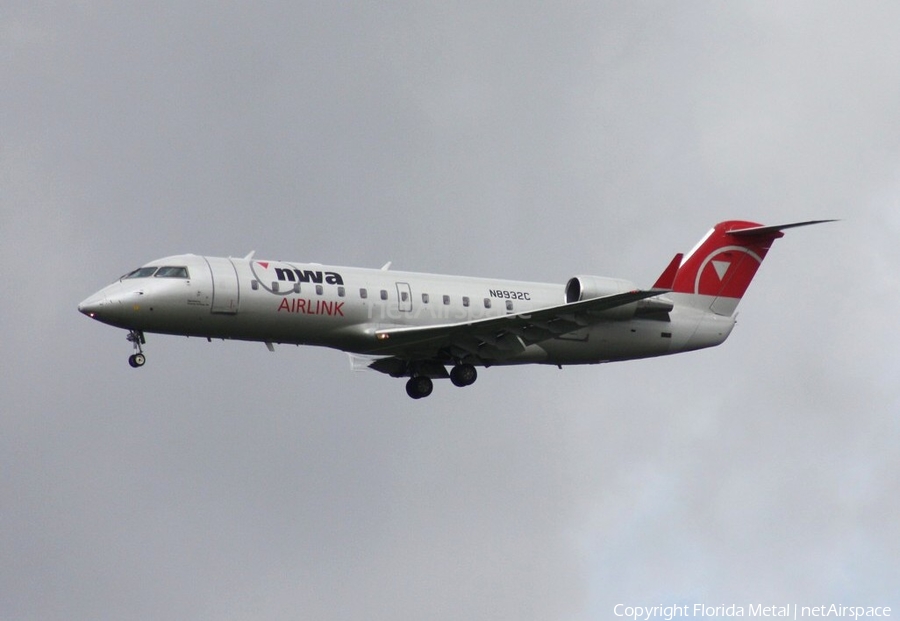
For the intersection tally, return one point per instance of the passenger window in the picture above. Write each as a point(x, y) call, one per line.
point(509, 305)
point(341, 292)
point(404, 296)
point(274, 286)
point(363, 293)
point(384, 294)
point(254, 284)
point(319, 289)
point(425, 298)
point(296, 287)
point(465, 300)
point(446, 299)
point(487, 302)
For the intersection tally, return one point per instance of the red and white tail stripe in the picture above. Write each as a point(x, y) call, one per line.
point(724, 262)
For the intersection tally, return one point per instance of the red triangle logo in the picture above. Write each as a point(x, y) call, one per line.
point(265, 264)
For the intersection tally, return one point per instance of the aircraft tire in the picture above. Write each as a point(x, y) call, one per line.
point(463, 375)
point(419, 386)
point(137, 360)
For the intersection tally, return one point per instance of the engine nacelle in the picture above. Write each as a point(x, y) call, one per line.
point(587, 287)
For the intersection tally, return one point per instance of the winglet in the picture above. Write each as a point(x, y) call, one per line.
point(667, 278)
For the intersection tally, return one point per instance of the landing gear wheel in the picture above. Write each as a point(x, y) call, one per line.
point(136, 338)
point(419, 386)
point(463, 375)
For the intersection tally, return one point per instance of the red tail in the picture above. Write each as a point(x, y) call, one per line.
point(723, 264)
point(725, 261)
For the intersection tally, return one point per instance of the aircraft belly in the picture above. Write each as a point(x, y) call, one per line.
point(612, 341)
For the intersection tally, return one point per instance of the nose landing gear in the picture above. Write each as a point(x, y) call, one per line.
point(136, 338)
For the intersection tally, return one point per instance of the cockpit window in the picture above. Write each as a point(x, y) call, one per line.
point(142, 272)
point(172, 272)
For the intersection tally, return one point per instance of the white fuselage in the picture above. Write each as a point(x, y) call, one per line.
point(344, 307)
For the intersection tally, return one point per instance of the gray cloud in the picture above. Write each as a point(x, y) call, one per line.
point(531, 142)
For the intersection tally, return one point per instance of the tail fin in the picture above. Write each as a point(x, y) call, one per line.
point(721, 266)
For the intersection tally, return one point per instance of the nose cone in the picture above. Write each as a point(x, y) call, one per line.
point(113, 305)
point(93, 306)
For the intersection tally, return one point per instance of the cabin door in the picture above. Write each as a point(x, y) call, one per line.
point(226, 292)
point(404, 297)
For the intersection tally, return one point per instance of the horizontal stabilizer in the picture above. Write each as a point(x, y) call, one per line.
point(767, 230)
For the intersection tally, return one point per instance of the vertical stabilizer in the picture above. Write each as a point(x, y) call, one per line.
point(720, 267)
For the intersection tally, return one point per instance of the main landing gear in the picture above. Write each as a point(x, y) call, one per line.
point(137, 359)
point(463, 375)
point(419, 386)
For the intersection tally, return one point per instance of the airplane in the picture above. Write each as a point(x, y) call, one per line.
point(416, 325)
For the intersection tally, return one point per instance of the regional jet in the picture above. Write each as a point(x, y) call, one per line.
point(417, 326)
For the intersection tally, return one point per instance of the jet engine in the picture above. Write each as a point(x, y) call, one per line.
point(586, 287)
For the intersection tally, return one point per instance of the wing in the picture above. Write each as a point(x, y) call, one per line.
point(496, 338)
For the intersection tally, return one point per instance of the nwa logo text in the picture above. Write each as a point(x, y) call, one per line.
point(295, 275)
point(308, 276)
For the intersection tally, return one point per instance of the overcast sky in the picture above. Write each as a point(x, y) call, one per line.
point(526, 140)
